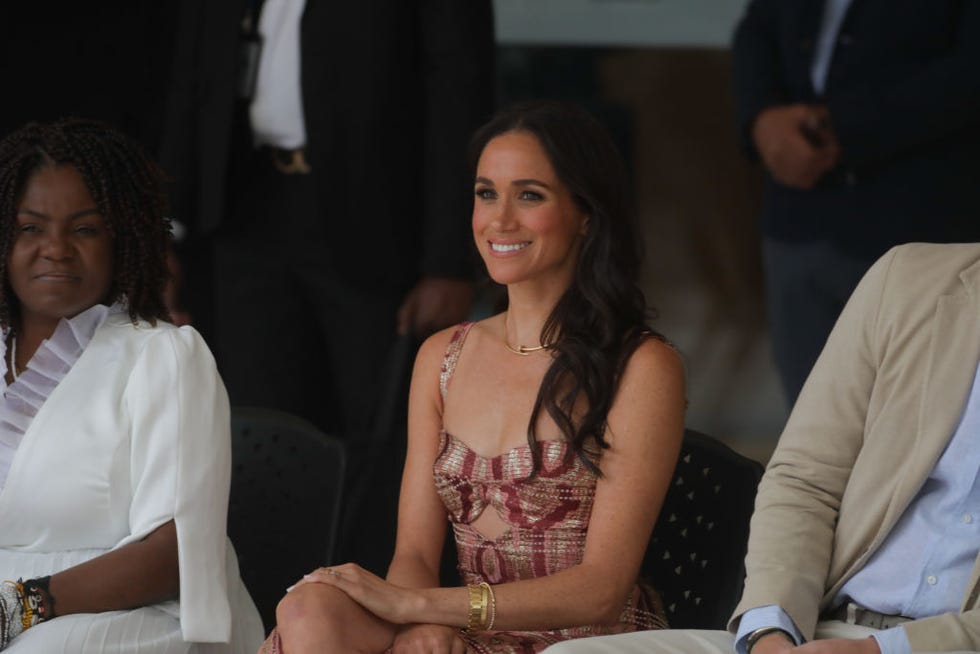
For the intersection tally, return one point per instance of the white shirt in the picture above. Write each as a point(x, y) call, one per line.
point(833, 17)
point(276, 112)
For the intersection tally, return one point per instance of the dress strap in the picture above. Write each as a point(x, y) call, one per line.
point(452, 356)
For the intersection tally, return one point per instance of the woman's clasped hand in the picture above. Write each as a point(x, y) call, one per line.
point(387, 601)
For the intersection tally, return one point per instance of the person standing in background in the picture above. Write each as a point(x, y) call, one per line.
point(866, 115)
point(321, 146)
point(318, 151)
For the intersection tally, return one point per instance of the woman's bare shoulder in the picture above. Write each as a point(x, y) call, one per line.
point(655, 357)
point(436, 346)
point(653, 375)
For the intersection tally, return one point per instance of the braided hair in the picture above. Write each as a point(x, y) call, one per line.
point(127, 187)
point(601, 318)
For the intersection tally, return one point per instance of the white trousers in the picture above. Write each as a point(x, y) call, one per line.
point(687, 641)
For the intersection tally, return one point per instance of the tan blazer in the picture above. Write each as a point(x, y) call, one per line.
point(874, 416)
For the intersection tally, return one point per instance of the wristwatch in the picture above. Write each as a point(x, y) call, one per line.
point(756, 635)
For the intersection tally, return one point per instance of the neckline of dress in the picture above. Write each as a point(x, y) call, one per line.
point(523, 446)
point(23, 400)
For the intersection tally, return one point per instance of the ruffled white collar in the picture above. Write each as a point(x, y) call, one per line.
point(21, 400)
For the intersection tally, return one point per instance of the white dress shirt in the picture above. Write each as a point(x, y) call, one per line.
point(276, 112)
point(833, 16)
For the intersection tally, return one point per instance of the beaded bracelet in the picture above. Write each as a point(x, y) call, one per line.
point(19, 609)
point(38, 598)
point(10, 624)
point(493, 606)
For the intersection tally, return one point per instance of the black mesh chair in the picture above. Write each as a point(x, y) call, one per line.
point(695, 558)
point(283, 514)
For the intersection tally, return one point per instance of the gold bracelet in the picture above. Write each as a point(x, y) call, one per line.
point(484, 604)
point(478, 607)
point(493, 606)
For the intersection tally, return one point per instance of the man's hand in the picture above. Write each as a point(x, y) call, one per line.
point(796, 143)
point(775, 643)
point(837, 646)
point(434, 303)
point(778, 643)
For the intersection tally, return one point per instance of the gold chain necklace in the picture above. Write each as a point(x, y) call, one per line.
point(524, 350)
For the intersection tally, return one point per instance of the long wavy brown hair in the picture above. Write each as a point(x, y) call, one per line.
point(602, 317)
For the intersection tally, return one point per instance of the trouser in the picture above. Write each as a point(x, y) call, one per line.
point(687, 641)
point(292, 332)
point(807, 286)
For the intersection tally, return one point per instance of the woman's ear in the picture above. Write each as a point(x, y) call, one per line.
point(584, 229)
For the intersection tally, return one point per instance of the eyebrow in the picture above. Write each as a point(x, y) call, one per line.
point(75, 216)
point(516, 182)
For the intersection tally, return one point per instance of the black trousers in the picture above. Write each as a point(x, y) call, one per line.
point(293, 332)
point(807, 285)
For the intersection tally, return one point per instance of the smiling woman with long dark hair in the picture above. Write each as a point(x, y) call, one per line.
point(114, 433)
point(547, 434)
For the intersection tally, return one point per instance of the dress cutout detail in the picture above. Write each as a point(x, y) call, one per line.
point(547, 516)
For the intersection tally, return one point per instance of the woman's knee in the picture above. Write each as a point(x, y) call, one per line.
point(311, 608)
point(317, 617)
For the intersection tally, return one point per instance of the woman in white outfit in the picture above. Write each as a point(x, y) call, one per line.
point(114, 431)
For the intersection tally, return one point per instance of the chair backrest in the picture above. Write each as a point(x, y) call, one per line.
point(695, 558)
point(283, 514)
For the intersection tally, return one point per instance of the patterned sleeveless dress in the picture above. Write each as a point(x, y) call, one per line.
point(547, 514)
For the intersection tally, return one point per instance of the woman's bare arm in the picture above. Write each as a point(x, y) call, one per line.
point(645, 428)
point(422, 520)
point(137, 574)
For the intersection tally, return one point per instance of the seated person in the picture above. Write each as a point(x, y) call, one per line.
point(866, 529)
point(547, 433)
point(114, 426)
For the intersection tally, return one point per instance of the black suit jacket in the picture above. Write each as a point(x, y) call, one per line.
point(392, 90)
point(903, 91)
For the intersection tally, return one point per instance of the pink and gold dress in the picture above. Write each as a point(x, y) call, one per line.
point(547, 516)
